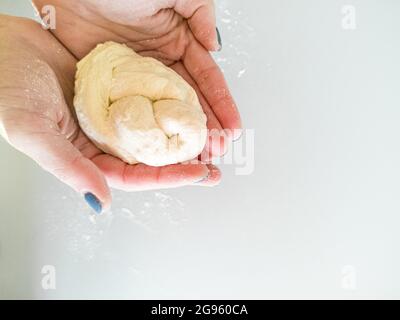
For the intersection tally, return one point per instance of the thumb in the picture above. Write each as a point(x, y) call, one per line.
point(57, 155)
point(201, 19)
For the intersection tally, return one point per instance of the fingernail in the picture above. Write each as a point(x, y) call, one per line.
point(219, 40)
point(204, 178)
point(213, 178)
point(93, 202)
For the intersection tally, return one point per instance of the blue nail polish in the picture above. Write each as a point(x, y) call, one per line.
point(93, 202)
point(219, 40)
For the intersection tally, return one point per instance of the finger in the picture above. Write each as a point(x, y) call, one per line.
point(142, 177)
point(213, 86)
point(216, 145)
point(213, 179)
point(57, 155)
point(201, 20)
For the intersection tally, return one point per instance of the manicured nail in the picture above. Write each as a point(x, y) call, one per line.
point(93, 202)
point(219, 40)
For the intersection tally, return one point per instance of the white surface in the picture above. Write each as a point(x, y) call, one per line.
point(324, 103)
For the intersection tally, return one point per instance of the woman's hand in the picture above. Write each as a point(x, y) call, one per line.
point(36, 93)
point(180, 33)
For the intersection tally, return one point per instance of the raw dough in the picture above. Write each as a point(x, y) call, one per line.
point(136, 108)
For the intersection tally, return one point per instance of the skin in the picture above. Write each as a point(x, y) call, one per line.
point(36, 89)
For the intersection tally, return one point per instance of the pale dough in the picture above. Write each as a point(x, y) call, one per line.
point(136, 108)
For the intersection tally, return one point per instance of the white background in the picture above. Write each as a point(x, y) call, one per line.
point(319, 216)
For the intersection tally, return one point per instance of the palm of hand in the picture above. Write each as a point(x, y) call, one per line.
point(167, 36)
point(164, 35)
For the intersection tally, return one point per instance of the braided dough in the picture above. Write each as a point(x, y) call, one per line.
point(136, 108)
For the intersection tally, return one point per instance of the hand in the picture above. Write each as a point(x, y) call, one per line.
point(36, 92)
point(180, 33)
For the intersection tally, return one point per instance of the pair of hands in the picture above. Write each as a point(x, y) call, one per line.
point(37, 87)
